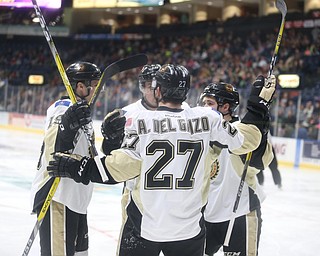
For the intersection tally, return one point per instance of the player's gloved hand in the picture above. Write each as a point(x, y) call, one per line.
point(261, 94)
point(258, 103)
point(112, 127)
point(71, 166)
point(77, 115)
point(72, 120)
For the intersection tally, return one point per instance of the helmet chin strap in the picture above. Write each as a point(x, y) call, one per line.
point(85, 96)
point(223, 114)
point(158, 99)
point(88, 87)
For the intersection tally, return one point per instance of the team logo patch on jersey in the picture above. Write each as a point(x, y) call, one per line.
point(215, 168)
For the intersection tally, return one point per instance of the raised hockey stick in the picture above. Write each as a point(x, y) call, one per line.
point(72, 96)
point(65, 80)
point(108, 72)
point(117, 67)
point(54, 51)
point(282, 7)
point(113, 69)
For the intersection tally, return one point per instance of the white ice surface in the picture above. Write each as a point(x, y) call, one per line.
point(291, 225)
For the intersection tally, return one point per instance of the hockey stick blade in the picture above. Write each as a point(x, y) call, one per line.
point(114, 68)
point(282, 7)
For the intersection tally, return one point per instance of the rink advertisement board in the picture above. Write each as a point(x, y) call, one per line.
point(297, 153)
point(310, 154)
point(311, 149)
point(292, 152)
point(4, 117)
point(285, 149)
point(26, 120)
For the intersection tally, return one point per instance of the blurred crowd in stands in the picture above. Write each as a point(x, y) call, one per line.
point(228, 55)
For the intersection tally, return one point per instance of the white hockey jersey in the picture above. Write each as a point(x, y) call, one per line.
point(76, 196)
point(132, 110)
point(169, 151)
point(223, 190)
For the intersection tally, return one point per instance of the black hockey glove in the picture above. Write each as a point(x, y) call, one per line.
point(72, 120)
point(261, 94)
point(81, 169)
point(71, 166)
point(259, 102)
point(112, 129)
point(77, 115)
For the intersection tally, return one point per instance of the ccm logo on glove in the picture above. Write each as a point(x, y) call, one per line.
point(84, 161)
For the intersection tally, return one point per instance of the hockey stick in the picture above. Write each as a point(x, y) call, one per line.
point(108, 72)
point(111, 70)
point(65, 79)
point(236, 202)
point(282, 7)
point(117, 67)
point(54, 51)
point(72, 96)
point(41, 216)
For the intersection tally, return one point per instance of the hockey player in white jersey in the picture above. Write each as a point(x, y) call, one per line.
point(112, 127)
point(64, 230)
point(224, 182)
point(168, 151)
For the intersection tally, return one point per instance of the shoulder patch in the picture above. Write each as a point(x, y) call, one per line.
point(215, 169)
point(62, 103)
point(128, 122)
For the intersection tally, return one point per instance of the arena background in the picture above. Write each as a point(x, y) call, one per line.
point(218, 40)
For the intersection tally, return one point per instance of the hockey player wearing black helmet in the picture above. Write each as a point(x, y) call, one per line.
point(84, 75)
point(112, 127)
point(168, 154)
point(221, 96)
point(225, 177)
point(145, 77)
point(172, 84)
point(64, 230)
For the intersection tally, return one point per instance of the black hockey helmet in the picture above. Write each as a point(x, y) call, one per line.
point(174, 82)
point(84, 72)
point(223, 93)
point(147, 73)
